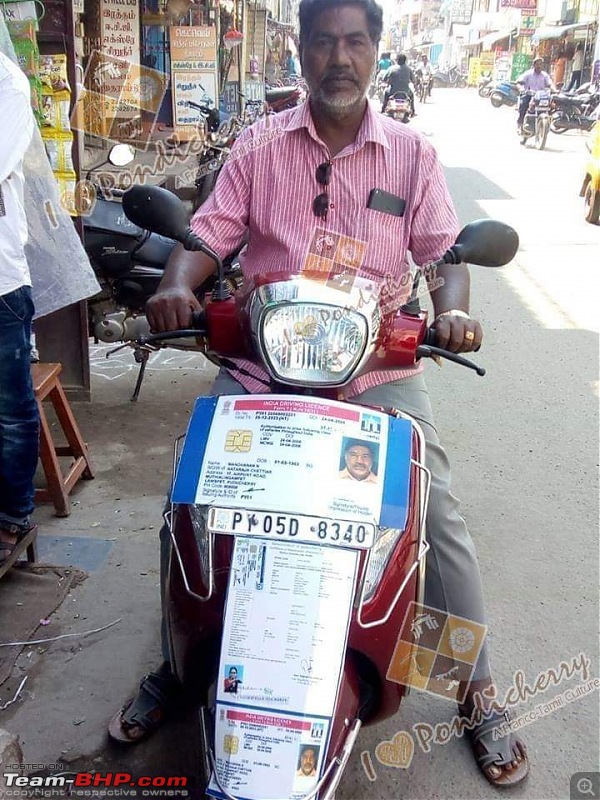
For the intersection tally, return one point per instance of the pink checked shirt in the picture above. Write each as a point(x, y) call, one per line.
point(268, 186)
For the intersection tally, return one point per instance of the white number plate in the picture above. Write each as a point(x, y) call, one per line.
point(543, 103)
point(292, 527)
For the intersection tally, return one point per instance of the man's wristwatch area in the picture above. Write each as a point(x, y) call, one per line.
point(453, 312)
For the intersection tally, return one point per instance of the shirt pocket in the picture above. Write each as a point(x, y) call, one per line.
point(385, 234)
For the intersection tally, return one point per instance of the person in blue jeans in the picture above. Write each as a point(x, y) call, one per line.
point(19, 422)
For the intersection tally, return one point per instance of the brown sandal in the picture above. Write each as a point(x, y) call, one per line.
point(144, 713)
point(501, 756)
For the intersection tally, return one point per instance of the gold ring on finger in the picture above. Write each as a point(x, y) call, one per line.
point(469, 336)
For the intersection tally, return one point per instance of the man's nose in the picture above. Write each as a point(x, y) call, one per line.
point(340, 54)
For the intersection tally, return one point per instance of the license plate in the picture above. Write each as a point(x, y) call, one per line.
point(291, 527)
point(543, 103)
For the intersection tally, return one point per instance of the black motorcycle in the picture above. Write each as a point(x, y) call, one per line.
point(574, 112)
point(128, 262)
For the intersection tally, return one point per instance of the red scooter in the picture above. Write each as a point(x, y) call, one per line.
point(293, 580)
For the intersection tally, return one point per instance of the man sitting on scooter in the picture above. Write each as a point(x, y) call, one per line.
point(399, 79)
point(534, 80)
point(336, 148)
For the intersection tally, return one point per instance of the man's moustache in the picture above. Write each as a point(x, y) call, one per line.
point(339, 77)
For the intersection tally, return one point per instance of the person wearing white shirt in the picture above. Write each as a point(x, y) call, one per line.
point(19, 422)
point(576, 68)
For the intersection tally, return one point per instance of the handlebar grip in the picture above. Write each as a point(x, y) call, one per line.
point(430, 337)
point(198, 321)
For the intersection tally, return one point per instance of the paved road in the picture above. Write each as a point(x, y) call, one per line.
point(522, 442)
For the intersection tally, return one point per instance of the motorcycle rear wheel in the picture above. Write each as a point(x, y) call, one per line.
point(496, 99)
point(558, 126)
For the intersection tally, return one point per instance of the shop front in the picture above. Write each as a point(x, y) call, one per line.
point(558, 43)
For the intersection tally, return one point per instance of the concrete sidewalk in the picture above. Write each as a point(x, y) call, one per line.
point(76, 684)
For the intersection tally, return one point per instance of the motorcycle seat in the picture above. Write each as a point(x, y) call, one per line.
point(280, 93)
point(568, 100)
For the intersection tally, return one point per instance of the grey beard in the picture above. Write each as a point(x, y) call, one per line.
point(338, 108)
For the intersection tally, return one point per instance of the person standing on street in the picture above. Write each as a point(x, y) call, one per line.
point(19, 422)
point(576, 68)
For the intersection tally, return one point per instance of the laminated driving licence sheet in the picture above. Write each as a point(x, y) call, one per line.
point(300, 456)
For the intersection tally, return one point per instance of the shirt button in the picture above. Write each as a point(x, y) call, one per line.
point(331, 205)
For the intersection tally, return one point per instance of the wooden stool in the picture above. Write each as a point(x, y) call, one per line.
point(46, 385)
point(28, 543)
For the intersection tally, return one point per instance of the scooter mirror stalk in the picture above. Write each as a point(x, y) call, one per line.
point(485, 242)
point(162, 212)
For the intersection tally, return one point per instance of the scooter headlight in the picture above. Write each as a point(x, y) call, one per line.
point(312, 343)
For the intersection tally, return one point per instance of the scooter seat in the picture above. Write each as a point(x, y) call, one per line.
point(280, 93)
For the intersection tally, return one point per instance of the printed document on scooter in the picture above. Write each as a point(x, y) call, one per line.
point(267, 756)
point(287, 617)
point(285, 625)
point(297, 455)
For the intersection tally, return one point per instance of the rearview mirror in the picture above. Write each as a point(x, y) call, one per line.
point(486, 242)
point(158, 210)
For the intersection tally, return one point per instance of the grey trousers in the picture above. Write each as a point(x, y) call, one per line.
point(452, 579)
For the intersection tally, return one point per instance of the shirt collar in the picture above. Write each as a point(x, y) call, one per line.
point(371, 129)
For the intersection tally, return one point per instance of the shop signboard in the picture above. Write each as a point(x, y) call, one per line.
point(230, 99)
point(520, 63)
point(527, 4)
point(193, 51)
point(487, 61)
point(461, 12)
point(474, 71)
point(502, 67)
point(528, 22)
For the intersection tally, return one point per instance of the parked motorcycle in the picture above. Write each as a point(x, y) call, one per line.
point(451, 77)
point(129, 263)
point(537, 118)
point(330, 575)
point(505, 93)
point(574, 112)
point(398, 107)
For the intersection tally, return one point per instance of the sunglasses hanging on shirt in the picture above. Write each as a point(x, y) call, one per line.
point(321, 202)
